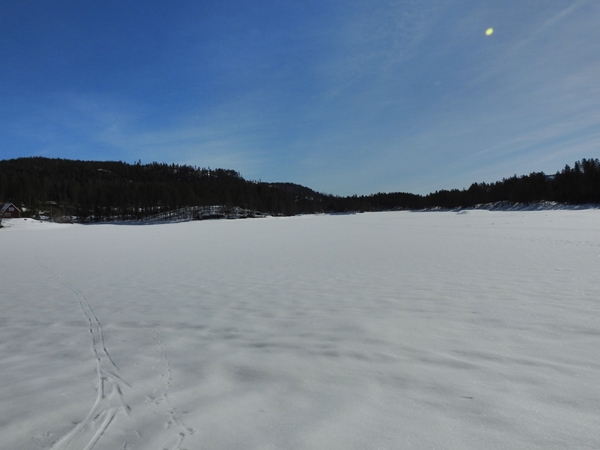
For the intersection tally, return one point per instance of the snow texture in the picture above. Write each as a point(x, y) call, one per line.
point(414, 330)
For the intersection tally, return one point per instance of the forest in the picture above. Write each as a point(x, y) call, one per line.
point(98, 191)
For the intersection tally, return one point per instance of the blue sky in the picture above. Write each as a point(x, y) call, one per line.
point(346, 97)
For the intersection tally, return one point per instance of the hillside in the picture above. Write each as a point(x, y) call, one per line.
point(111, 190)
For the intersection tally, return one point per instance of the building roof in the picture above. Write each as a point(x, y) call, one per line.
point(6, 206)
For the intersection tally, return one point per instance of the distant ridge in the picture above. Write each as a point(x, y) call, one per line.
point(97, 191)
point(296, 189)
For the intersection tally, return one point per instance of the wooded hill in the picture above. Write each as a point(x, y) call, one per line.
point(108, 190)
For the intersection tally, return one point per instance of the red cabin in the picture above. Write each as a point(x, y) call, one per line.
point(9, 211)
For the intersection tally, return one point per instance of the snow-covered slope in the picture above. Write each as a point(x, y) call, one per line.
point(385, 330)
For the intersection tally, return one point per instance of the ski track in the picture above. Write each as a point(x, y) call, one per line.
point(110, 403)
point(174, 416)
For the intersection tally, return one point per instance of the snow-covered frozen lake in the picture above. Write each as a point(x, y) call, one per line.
point(400, 330)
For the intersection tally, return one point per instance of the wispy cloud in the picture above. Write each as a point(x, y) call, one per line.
point(556, 18)
point(77, 124)
point(374, 38)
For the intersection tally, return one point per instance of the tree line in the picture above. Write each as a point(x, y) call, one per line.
point(111, 190)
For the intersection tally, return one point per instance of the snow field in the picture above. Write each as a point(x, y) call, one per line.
point(383, 330)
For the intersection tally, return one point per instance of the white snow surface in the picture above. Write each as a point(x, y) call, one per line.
point(412, 330)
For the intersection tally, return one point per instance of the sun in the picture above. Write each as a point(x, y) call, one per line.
point(489, 31)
